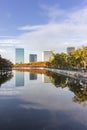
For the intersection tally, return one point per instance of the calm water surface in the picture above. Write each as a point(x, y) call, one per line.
point(30, 101)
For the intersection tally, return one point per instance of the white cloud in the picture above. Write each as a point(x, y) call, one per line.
point(52, 12)
point(2, 50)
point(9, 40)
point(54, 35)
point(71, 31)
point(8, 53)
point(36, 27)
point(7, 47)
point(78, 17)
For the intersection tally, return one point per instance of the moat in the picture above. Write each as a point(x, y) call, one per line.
point(42, 100)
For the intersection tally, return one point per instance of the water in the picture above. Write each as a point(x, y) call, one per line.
point(30, 101)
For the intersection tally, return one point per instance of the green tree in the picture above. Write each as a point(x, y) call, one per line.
point(58, 60)
point(4, 63)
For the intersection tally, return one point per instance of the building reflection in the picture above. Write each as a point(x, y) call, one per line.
point(33, 76)
point(45, 79)
point(19, 79)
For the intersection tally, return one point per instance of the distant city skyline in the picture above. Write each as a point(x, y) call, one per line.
point(39, 25)
point(20, 56)
point(23, 56)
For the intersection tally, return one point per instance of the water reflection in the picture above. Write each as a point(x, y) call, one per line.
point(80, 90)
point(45, 79)
point(20, 118)
point(78, 87)
point(57, 79)
point(42, 106)
point(19, 78)
point(33, 76)
point(5, 76)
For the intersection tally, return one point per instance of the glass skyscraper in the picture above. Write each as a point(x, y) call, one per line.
point(32, 57)
point(19, 55)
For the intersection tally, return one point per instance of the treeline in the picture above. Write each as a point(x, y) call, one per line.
point(5, 64)
point(32, 64)
point(74, 59)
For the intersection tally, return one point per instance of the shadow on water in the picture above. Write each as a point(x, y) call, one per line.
point(5, 76)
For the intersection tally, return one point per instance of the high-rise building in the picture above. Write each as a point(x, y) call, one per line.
point(70, 49)
point(46, 55)
point(19, 55)
point(32, 58)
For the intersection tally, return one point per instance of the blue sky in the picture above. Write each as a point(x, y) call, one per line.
point(38, 25)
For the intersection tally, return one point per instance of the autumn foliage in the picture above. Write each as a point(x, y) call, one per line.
point(32, 64)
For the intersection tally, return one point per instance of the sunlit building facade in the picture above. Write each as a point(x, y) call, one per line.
point(46, 55)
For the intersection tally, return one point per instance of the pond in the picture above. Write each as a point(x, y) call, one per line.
point(42, 100)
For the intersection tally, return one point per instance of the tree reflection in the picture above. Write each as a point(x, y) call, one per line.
point(80, 90)
point(5, 76)
point(57, 79)
point(78, 87)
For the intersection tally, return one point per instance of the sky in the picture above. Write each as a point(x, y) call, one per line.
point(39, 25)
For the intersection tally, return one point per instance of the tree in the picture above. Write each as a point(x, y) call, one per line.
point(58, 60)
point(4, 63)
point(75, 59)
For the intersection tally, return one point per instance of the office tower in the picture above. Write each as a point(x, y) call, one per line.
point(19, 55)
point(32, 57)
point(70, 49)
point(19, 79)
point(46, 55)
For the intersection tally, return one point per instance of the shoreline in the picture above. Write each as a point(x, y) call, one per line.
point(73, 74)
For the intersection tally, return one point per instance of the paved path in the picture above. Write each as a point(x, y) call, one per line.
point(74, 74)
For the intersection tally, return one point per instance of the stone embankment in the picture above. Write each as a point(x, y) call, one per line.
point(73, 74)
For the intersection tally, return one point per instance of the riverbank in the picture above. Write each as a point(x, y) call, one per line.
point(70, 73)
point(73, 74)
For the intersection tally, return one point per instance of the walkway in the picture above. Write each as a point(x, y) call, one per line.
point(73, 74)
